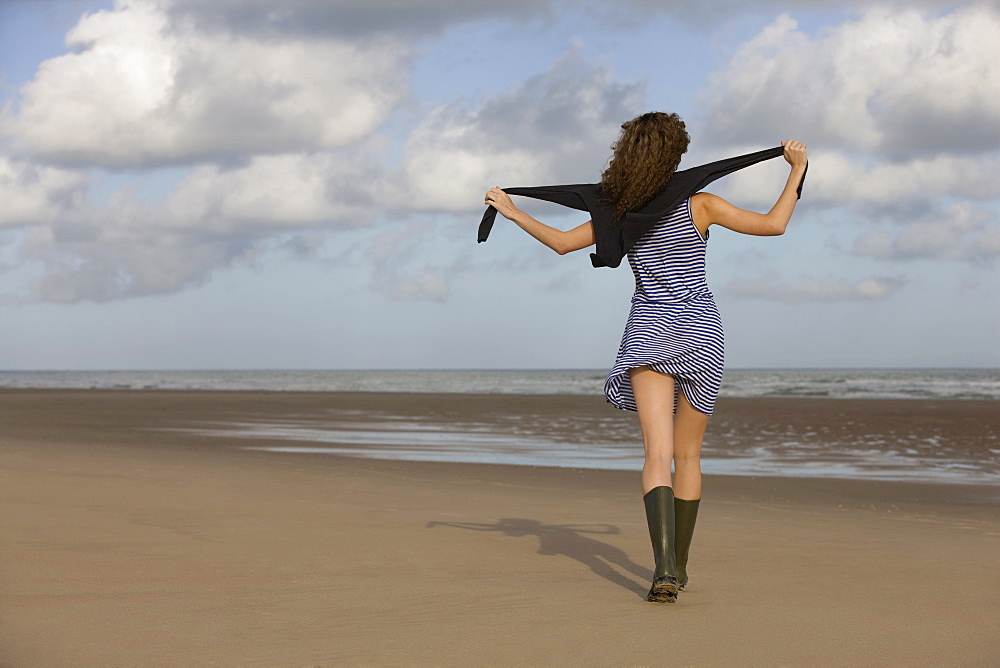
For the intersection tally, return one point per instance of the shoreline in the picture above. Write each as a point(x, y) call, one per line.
point(891, 382)
point(575, 395)
point(881, 440)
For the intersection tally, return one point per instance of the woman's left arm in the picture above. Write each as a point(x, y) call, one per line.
point(714, 210)
point(560, 241)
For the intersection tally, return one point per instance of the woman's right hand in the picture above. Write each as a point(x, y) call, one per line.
point(795, 153)
point(501, 201)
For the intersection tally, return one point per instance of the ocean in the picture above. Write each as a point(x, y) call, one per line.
point(820, 383)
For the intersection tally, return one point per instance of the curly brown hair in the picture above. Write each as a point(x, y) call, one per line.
point(645, 157)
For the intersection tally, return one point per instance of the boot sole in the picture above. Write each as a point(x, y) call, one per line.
point(663, 591)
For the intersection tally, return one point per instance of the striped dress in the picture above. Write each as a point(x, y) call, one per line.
point(674, 326)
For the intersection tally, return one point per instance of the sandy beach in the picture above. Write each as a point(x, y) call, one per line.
point(124, 541)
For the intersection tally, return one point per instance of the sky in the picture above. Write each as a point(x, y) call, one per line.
point(246, 184)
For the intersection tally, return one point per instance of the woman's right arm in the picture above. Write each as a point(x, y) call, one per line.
point(558, 240)
point(717, 211)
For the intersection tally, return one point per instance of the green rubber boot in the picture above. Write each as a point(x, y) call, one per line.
point(685, 514)
point(659, 503)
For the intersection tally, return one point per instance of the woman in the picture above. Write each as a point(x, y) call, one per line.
point(670, 362)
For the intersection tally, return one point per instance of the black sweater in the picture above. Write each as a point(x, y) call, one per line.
point(615, 239)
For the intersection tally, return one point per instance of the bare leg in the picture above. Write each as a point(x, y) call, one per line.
point(689, 431)
point(654, 399)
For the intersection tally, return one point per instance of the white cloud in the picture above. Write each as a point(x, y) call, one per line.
point(390, 246)
point(899, 109)
point(424, 286)
point(409, 263)
point(122, 254)
point(839, 179)
point(555, 127)
point(893, 82)
point(283, 135)
point(350, 17)
point(278, 192)
point(835, 179)
point(213, 218)
point(710, 13)
point(233, 211)
point(988, 243)
point(139, 89)
point(32, 194)
point(874, 288)
point(960, 232)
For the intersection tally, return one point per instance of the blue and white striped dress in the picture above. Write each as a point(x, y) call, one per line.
point(674, 326)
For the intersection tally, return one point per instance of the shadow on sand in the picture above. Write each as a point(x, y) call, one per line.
point(568, 540)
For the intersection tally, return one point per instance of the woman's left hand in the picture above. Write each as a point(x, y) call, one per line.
point(795, 153)
point(500, 201)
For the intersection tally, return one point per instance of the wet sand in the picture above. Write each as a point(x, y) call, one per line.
point(123, 543)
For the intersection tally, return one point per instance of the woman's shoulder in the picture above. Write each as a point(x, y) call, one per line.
point(701, 204)
point(705, 199)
